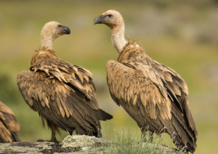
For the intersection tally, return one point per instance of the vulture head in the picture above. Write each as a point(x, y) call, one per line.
point(114, 20)
point(51, 31)
point(111, 18)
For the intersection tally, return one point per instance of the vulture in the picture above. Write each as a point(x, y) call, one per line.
point(154, 95)
point(9, 125)
point(63, 94)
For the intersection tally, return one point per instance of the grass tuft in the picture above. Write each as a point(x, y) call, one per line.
point(129, 142)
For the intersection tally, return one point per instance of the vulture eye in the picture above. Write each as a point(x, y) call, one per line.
point(109, 15)
point(59, 26)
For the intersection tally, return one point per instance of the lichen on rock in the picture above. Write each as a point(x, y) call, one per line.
point(79, 141)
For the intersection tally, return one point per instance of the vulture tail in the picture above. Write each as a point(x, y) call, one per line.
point(102, 115)
point(15, 137)
point(182, 127)
point(182, 134)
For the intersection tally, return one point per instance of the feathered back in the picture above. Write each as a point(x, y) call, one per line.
point(62, 93)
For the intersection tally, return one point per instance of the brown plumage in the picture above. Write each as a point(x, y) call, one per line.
point(63, 94)
point(154, 95)
point(9, 125)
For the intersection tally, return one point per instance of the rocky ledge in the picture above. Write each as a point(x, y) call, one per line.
point(71, 144)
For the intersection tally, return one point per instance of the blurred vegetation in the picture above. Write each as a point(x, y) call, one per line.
point(181, 34)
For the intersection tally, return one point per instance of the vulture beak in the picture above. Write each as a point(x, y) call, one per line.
point(98, 20)
point(64, 30)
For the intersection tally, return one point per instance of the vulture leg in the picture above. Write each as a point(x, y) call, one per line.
point(53, 137)
point(143, 136)
point(150, 139)
point(54, 129)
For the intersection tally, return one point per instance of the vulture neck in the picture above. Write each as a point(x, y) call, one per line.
point(46, 41)
point(117, 37)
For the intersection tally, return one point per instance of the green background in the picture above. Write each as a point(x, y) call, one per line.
point(180, 34)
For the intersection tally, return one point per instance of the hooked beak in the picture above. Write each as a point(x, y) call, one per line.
point(98, 20)
point(66, 30)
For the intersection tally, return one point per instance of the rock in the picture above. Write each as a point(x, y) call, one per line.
point(76, 144)
point(32, 147)
point(83, 142)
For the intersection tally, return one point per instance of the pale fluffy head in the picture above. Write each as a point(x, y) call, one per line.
point(111, 18)
point(51, 31)
point(114, 20)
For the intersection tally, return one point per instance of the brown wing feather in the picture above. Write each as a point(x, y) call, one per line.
point(63, 94)
point(59, 103)
point(153, 94)
point(8, 125)
point(5, 135)
point(128, 85)
point(73, 75)
point(178, 91)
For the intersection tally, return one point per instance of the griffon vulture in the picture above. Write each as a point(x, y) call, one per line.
point(8, 125)
point(63, 94)
point(154, 95)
